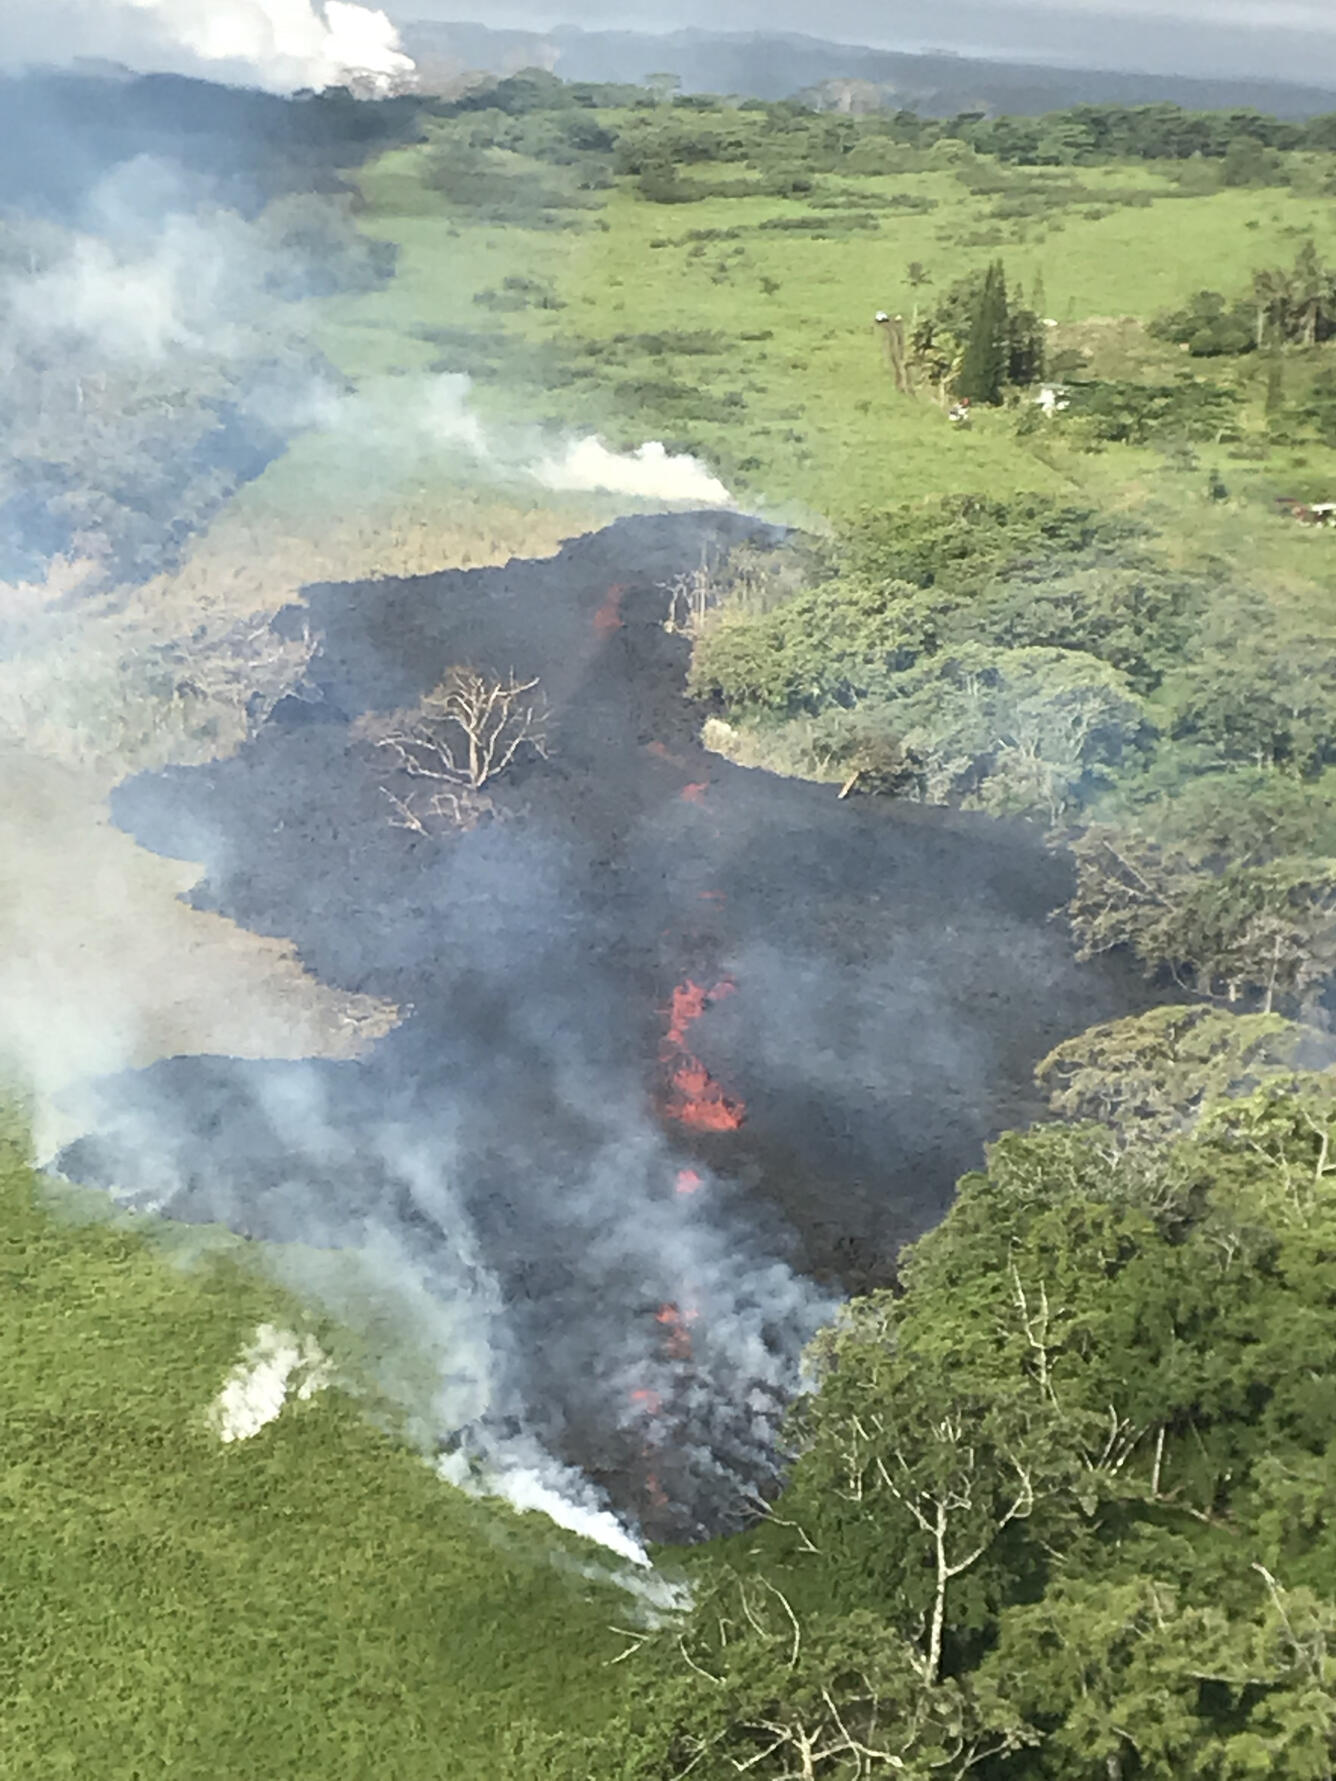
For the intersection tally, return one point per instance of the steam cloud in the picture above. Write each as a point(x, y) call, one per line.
point(281, 45)
point(444, 416)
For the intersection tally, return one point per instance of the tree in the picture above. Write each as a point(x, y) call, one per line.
point(920, 1458)
point(936, 352)
point(1258, 693)
point(983, 369)
point(1127, 1679)
point(1295, 306)
point(1062, 1508)
point(1151, 1075)
point(1027, 345)
point(463, 734)
point(1014, 731)
point(246, 669)
point(1263, 931)
point(1210, 327)
point(752, 1688)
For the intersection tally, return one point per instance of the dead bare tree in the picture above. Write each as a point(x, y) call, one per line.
point(692, 596)
point(463, 734)
point(248, 668)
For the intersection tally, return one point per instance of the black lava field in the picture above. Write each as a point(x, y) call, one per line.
point(686, 1050)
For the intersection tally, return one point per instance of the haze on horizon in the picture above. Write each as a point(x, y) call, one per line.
point(285, 44)
point(1291, 40)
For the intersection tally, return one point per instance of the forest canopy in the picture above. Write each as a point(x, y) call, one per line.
point(1063, 1500)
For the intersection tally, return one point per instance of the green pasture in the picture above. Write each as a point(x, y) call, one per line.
point(739, 329)
point(306, 1605)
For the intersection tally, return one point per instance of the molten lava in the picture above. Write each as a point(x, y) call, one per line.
point(688, 1182)
point(695, 794)
point(690, 1000)
point(608, 618)
point(677, 1323)
point(697, 1100)
point(694, 1098)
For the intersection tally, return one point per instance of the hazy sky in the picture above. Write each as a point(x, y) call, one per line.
point(287, 43)
point(1288, 39)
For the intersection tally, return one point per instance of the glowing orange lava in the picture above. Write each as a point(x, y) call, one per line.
point(677, 1323)
point(648, 1401)
point(690, 1000)
point(608, 618)
point(698, 1100)
point(688, 1182)
point(695, 794)
point(694, 1097)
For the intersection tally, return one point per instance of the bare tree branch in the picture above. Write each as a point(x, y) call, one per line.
point(464, 733)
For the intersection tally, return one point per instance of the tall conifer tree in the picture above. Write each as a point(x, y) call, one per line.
point(987, 352)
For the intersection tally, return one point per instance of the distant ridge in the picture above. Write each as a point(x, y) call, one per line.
point(778, 65)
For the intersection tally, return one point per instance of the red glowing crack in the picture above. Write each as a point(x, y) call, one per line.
point(694, 1098)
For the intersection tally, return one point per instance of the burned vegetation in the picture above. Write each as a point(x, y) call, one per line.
point(686, 1048)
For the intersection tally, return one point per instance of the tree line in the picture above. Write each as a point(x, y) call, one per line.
point(1287, 306)
point(1030, 658)
point(1073, 136)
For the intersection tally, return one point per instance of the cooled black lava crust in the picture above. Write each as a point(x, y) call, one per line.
point(897, 973)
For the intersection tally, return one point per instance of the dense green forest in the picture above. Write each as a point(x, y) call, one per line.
point(1034, 398)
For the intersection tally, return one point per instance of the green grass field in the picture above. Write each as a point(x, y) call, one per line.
point(310, 1604)
point(785, 387)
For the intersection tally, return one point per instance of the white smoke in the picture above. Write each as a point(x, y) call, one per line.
point(651, 472)
point(277, 1362)
point(137, 303)
point(442, 416)
point(257, 1387)
point(521, 1474)
point(282, 45)
point(399, 422)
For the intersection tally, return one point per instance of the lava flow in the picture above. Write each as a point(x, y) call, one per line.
point(694, 1098)
point(608, 618)
point(677, 1325)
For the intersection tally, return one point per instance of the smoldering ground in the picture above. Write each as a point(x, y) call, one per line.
point(152, 363)
point(624, 1285)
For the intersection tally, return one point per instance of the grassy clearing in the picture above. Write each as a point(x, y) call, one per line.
point(740, 328)
point(311, 1603)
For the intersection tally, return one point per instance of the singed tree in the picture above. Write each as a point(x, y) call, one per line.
point(465, 733)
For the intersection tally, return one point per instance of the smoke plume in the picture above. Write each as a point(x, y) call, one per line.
point(650, 472)
point(280, 45)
